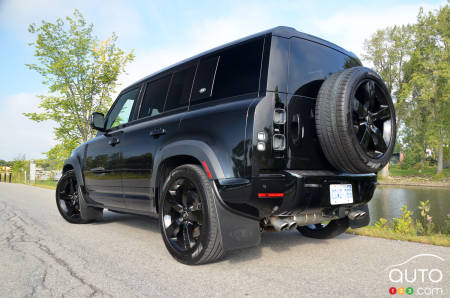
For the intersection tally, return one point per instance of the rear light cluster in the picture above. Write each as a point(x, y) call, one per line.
point(278, 138)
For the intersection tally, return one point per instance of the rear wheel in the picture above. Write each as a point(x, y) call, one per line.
point(188, 218)
point(325, 230)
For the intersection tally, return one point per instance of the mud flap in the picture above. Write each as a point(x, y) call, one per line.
point(88, 213)
point(237, 231)
point(361, 222)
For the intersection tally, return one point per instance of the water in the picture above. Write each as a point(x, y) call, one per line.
point(388, 200)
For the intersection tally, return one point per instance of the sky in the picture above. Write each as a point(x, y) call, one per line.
point(162, 33)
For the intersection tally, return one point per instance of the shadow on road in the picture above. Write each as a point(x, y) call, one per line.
point(279, 242)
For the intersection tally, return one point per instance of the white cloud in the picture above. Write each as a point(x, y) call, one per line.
point(350, 27)
point(200, 36)
point(112, 16)
point(19, 135)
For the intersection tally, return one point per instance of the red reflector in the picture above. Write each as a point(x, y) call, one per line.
point(206, 169)
point(271, 195)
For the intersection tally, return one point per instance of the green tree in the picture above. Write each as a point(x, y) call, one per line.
point(81, 74)
point(414, 62)
point(388, 51)
point(426, 90)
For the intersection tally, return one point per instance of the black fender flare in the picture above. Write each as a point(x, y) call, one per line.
point(75, 164)
point(197, 149)
point(237, 231)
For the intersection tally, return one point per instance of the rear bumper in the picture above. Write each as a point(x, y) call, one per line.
point(302, 190)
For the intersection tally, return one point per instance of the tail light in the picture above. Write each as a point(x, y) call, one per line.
point(279, 116)
point(279, 142)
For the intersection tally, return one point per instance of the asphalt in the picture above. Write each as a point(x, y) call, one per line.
point(41, 255)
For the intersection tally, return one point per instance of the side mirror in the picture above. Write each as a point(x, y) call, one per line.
point(98, 121)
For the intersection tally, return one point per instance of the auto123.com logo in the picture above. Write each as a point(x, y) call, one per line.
point(412, 277)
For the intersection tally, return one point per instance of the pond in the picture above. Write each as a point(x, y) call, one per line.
point(387, 201)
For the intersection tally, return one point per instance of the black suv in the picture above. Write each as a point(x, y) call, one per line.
point(276, 131)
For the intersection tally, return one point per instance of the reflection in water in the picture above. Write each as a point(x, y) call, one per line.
point(388, 200)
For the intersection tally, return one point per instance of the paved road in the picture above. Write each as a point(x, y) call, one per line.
point(124, 256)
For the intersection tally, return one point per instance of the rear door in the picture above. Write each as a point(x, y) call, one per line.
point(310, 64)
point(163, 103)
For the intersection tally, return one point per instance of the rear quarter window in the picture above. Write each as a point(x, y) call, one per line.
point(231, 72)
point(311, 63)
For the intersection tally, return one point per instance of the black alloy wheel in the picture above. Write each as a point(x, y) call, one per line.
point(68, 198)
point(183, 215)
point(371, 118)
point(188, 217)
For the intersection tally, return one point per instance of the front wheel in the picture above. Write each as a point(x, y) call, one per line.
point(325, 230)
point(70, 201)
point(188, 218)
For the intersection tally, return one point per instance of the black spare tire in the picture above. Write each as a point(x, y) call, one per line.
point(355, 121)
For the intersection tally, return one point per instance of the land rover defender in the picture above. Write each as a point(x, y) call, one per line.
point(275, 131)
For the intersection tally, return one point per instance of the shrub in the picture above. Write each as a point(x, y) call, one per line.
point(403, 224)
point(425, 223)
point(382, 223)
point(447, 225)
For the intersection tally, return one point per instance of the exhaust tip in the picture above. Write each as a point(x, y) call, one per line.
point(279, 224)
point(356, 214)
point(291, 224)
point(284, 227)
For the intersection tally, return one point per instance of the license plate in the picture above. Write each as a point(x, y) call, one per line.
point(341, 194)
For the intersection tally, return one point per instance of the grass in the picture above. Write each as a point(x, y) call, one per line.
point(372, 231)
point(424, 172)
point(45, 184)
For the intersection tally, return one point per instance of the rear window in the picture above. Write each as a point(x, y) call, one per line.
point(311, 63)
point(180, 88)
point(155, 97)
point(238, 70)
point(232, 72)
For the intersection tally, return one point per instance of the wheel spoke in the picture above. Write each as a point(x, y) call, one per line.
point(186, 236)
point(377, 137)
point(359, 109)
point(365, 138)
point(173, 229)
point(196, 216)
point(178, 208)
point(369, 94)
point(383, 114)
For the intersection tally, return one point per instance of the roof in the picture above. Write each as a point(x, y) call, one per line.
point(281, 31)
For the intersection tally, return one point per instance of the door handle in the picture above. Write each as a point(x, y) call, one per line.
point(99, 170)
point(157, 132)
point(114, 141)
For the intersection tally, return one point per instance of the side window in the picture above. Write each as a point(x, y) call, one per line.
point(204, 79)
point(239, 70)
point(155, 97)
point(121, 112)
point(180, 88)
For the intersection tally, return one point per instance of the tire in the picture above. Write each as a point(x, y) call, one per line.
point(332, 229)
point(355, 121)
point(188, 218)
point(70, 201)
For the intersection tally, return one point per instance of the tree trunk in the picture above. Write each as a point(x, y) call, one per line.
point(440, 162)
point(385, 171)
